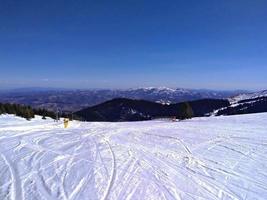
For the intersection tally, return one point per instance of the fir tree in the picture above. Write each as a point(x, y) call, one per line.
point(186, 111)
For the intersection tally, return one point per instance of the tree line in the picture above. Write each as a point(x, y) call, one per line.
point(25, 111)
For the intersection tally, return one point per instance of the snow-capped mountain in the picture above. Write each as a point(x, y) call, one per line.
point(174, 95)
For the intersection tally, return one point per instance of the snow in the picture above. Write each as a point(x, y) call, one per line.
point(221, 157)
point(163, 88)
point(254, 95)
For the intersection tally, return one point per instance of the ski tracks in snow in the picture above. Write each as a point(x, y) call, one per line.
point(15, 192)
point(113, 173)
point(148, 160)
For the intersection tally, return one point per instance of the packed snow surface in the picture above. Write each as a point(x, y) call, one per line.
point(202, 158)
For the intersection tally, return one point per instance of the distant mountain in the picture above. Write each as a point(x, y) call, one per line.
point(122, 109)
point(169, 95)
point(73, 100)
point(246, 103)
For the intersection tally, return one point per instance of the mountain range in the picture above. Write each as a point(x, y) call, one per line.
point(138, 104)
point(121, 109)
point(74, 100)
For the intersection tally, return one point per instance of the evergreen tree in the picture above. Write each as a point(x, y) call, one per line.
point(25, 111)
point(18, 110)
point(2, 109)
point(186, 111)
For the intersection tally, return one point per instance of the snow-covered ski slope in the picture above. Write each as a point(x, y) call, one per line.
point(202, 158)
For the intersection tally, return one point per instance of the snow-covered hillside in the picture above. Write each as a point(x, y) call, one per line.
point(247, 96)
point(202, 158)
point(245, 103)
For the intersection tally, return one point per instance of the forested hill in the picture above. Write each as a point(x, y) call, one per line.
point(122, 109)
point(245, 106)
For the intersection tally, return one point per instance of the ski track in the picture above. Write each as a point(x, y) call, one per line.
point(203, 158)
point(113, 173)
point(15, 192)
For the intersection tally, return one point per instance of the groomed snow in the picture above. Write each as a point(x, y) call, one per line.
point(202, 158)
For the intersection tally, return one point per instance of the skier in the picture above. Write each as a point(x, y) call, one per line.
point(66, 122)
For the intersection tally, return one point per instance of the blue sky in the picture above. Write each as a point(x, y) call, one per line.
point(120, 44)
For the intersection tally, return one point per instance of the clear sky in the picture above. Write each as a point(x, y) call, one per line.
point(215, 44)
